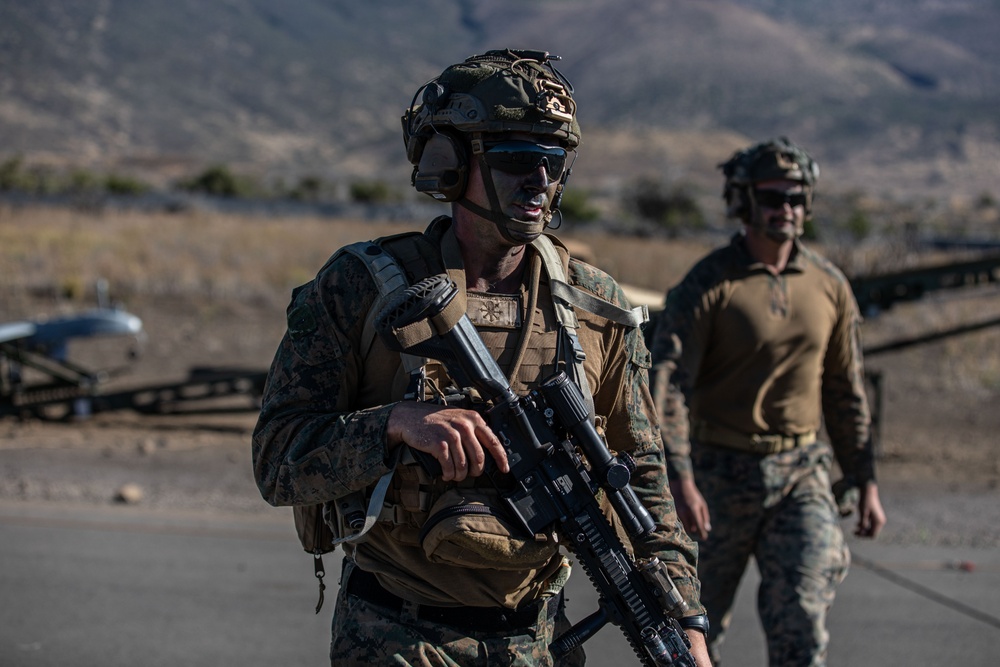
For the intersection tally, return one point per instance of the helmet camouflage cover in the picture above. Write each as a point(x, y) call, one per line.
point(498, 91)
point(777, 159)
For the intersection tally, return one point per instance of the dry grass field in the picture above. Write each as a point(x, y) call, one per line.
point(205, 255)
point(212, 289)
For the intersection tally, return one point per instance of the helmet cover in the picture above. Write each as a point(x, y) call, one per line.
point(498, 91)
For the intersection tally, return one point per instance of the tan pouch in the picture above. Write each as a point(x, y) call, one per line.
point(322, 527)
point(314, 532)
point(467, 528)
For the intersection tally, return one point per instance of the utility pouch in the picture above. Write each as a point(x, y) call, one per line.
point(313, 524)
point(314, 532)
point(467, 528)
point(316, 538)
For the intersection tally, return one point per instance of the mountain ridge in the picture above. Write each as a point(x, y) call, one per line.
point(893, 98)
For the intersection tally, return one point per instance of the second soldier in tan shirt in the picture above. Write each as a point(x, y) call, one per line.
point(757, 346)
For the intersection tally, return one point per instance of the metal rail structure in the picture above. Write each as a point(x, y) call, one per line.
point(880, 292)
point(201, 386)
point(37, 379)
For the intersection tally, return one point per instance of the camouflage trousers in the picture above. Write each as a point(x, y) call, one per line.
point(367, 634)
point(780, 510)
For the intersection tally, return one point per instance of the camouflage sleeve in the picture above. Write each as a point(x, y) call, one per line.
point(623, 396)
point(677, 351)
point(845, 404)
point(311, 444)
point(631, 426)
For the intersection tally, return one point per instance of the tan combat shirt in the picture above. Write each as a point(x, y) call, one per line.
point(762, 354)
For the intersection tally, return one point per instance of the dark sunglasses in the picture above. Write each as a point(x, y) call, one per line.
point(777, 199)
point(523, 157)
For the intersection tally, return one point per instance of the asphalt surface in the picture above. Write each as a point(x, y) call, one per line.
point(114, 586)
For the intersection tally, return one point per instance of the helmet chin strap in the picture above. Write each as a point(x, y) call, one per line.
point(515, 231)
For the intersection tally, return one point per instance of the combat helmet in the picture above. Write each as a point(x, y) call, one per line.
point(775, 159)
point(500, 91)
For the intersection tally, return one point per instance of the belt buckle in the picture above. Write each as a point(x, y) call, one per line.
point(766, 443)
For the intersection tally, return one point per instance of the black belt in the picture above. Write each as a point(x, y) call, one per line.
point(365, 586)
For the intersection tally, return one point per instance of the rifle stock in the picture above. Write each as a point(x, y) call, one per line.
point(549, 483)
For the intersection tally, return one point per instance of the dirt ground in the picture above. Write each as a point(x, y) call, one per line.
point(939, 464)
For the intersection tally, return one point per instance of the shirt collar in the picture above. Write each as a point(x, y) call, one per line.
point(795, 264)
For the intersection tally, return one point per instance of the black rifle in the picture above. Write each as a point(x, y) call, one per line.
point(549, 484)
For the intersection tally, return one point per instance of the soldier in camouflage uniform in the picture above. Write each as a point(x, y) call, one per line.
point(493, 136)
point(758, 344)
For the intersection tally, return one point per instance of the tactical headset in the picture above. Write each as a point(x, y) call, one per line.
point(442, 171)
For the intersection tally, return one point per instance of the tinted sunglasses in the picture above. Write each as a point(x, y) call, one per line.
point(524, 157)
point(777, 199)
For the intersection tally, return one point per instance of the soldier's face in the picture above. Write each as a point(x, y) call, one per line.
point(780, 210)
point(525, 172)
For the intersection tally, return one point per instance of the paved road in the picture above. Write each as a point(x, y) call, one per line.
point(120, 586)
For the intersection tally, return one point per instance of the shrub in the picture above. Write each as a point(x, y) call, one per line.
point(576, 206)
point(371, 192)
point(810, 231)
point(124, 185)
point(307, 189)
point(81, 180)
point(986, 200)
point(669, 208)
point(12, 176)
point(218, 180)
point(859, 225)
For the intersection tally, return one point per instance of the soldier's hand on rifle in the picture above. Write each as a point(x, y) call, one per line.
point(692, 509)
point(457, 438)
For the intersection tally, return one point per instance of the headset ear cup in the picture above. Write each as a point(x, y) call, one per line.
point(810, 195)
point(443, 170)
point(415, 149)
point(737, 202)
point(742, 204)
